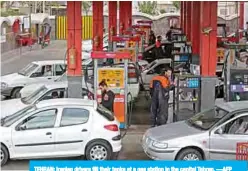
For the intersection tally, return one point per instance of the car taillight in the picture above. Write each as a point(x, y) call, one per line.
point(112, 127)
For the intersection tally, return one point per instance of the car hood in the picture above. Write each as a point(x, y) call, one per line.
point(172, 131)
point(11, 77)
point(9, 107)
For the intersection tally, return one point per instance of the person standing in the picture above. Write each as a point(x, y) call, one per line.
point(160, 87)
point(152, 38)
point(169, 34)
point(108, 96)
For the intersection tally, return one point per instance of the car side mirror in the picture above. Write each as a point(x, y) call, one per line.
point(219, 131)
point(36, 74)
point(22, 127)
point(151, 72)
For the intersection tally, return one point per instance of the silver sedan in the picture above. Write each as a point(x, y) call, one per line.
point(209, 135)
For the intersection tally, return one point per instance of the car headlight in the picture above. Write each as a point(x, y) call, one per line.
point(159, 145)
point(4, 85)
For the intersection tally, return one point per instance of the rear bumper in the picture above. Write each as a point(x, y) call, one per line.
point(116, 146)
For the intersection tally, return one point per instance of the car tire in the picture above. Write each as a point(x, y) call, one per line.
point(189, 154)
point(16, 93)
point(4, 155)
point(98, 150)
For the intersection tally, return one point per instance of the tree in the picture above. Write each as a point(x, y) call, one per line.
point(86, 6)
point(176, 4)
point(148, 7)
point(162, 11)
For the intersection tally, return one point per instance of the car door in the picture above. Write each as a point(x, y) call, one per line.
point(42, 74)
point(224, 138)
point(34, 135)
point(73, 131)
point(52, 94)
point(58, 70)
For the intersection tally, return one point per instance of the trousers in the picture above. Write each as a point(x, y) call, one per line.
point(159, 108)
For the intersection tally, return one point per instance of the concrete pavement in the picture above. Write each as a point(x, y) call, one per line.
point(14, 61)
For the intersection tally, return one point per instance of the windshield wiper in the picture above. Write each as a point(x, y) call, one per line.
point(20, 73)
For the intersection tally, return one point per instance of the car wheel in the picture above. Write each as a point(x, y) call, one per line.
point(16, 93)
point(98, 150)
point(4, 155)
point(189, 154)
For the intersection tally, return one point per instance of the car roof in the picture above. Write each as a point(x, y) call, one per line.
point(50, 62)
point(65, 102)
point(232, 106)
point(54, 85)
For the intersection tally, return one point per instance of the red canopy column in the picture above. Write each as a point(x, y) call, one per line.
point(195, 26)
point(125, 15)
point(98, 25)
point(74, 49)
point(74, 38)
point(208, 47)
point(241, 16)
point(188, 19)
point(208, 40)
point(112, 17)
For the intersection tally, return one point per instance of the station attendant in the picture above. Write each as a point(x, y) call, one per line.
point(160, 87)
point(108, 96)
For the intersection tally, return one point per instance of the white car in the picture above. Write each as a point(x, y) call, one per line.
point(60, 128)
point(35, 72)
point(152, 70)
point(29, 89)
point(40, 93)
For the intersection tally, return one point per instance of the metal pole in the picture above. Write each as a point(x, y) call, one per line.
point(35, 7)
point(126, 89)
point(95, 78)
point(44, 6)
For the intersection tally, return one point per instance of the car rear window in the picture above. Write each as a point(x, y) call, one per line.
point(105, 112)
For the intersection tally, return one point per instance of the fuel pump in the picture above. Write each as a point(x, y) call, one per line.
point(131, 44)
point(235, 73)
point(141, 34)
point(117, 81)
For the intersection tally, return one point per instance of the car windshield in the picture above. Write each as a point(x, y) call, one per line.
point(9, 120)
point(151, 64)
point(105, 112)
point(30, 99)
point(28, 69)
point(205, 120)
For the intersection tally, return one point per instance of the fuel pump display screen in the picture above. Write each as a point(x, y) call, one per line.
point(131, 51)
point(114, 77)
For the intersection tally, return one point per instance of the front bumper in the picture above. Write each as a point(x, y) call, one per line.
point(166, 154)
point(6, 91)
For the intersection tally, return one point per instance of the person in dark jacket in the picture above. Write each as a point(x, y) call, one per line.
point(169, 34)
point(108, 96)
point(160, 87)
point(152, 38)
